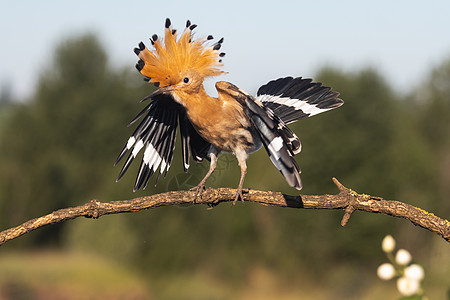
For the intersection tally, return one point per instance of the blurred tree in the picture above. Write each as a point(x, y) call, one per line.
point(433, 107)
point(6, 96)
point(56, 150)
point(432, 112)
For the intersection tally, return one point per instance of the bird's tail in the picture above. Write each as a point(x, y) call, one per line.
point(292, 99)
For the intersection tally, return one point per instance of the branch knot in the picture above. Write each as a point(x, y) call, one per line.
point(93, 209)
point(351, 201)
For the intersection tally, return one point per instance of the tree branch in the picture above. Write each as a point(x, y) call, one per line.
point(347, 200)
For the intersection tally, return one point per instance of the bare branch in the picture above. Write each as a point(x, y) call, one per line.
point(347, 200)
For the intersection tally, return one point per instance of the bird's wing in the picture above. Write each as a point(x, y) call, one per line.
point(191, 142)
point(157, 134)
point(273, 136)
point(273, 133)
point(292, 99)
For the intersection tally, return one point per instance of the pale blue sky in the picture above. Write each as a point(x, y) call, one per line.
point(263, 39)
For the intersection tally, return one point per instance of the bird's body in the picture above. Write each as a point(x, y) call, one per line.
point(233, 122)
point(221, 121)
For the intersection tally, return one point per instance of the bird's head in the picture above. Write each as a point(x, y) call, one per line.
point(179, 64)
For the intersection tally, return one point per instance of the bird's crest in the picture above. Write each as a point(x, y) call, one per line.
point(172, 56)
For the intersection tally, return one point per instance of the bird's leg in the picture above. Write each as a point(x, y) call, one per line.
point(242, 157)
point(201, 186)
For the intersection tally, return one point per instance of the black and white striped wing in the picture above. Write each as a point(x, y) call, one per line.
point(292, 99)
point(273, 134)
point(156, 134)
point(191, 142)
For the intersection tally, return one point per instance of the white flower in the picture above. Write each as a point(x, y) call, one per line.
point(407, 286)
point(386, 271)
point(388, 244)
point(403, 257)
point(414, 272)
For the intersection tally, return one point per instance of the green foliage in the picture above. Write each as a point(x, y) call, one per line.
point(433, 107)
point(431, 112)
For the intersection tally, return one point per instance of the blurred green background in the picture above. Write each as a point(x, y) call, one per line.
point(57, 150)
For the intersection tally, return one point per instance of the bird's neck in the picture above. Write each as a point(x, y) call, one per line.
point(200, 107)
point(194, 100)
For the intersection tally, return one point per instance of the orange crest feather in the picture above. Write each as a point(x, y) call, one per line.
point(167, 63)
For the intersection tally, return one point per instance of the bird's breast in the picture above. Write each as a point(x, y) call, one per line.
point(228, 136)
point(225, 130)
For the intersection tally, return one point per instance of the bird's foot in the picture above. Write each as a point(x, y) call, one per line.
point(239, 194)
point(198, 191)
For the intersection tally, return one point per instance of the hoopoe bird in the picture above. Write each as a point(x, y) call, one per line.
point(233, 122)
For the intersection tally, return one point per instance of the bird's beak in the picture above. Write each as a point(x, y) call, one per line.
point(160, 91)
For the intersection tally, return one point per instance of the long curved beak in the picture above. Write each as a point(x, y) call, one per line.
point(161, 90)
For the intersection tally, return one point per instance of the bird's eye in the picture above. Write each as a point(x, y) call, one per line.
point(186, 80)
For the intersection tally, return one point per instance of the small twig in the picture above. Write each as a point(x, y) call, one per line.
point(347, 200)
point(348, 212)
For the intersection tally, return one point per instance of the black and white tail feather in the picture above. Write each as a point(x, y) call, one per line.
point(278, 103)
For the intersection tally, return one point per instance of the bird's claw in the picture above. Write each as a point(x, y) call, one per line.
point(239, 194)
point(198, 191)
